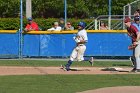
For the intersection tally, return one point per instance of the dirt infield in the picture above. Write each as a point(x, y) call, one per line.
point(14, 70)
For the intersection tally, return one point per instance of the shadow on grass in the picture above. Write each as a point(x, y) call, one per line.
point(126, 65)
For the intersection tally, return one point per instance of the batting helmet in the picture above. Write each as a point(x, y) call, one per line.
point(82, 24)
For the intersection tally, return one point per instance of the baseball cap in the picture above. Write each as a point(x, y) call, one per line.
point(61, 19)
point(29, 18)
point(127, 19)
point(55, 23)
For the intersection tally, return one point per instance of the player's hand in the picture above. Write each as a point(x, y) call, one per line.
point(135, 43)
point(74, 37)
point(77, 40)
point(131, 47)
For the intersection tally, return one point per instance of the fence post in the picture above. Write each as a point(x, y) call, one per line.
point(99, 24)
point(123, 16)
point(28, 8)
point(129, 11)
point(65, 11)
point(20, 31)
point(95, 24)
point(109, 13)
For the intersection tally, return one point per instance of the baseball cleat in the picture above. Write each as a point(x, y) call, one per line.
point(135, 71)
point(65, 68)
point(91, 61)
point(132, 60)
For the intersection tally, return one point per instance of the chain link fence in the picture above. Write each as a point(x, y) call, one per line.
point(129, 9)
point(116, 22)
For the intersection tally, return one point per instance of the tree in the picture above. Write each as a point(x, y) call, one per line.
point(55, 8)
point(9, 8)
point(49, 8)
point(78, 9)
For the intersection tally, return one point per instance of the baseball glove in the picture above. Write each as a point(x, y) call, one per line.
point(132, 47)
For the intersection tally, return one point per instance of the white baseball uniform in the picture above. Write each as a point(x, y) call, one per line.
point(137, 55)
point(79, 50)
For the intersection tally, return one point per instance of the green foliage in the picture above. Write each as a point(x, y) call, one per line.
point(55, 8)
point(9, 8)
point(9, 24)
point(78, 9)
point(49, 8)
point(14, 23)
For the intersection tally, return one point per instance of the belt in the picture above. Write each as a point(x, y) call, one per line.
point(81, 44)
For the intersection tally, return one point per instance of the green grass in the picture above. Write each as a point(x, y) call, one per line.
point(46, 63)
point(63, 83)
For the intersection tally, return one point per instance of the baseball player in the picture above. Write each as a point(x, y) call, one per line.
point(135, 35)
point(78, 52)
point(136, 24)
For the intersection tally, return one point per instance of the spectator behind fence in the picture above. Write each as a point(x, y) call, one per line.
point(62, 23)
point(55, 27)
point(31, 26)
point(69, 26)
point(103, 26)
point(137, 12)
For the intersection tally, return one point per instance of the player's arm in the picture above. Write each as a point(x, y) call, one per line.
point(82, 42)
point(135, 43)
point(138, 36)
point(132, 32)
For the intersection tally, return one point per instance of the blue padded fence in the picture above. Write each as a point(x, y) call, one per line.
point(9, 45)
point(99, 44)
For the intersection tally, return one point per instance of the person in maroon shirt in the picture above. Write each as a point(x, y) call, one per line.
point(132, 31)
point(31, 26)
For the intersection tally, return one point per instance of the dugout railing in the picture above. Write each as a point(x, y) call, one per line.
point(116, 22)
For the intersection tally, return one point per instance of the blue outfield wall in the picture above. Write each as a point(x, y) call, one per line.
point(9, 44)
point(99, 44)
